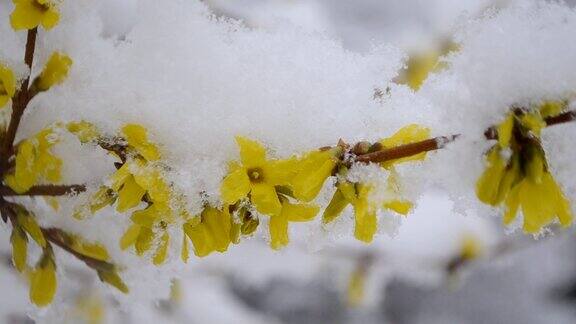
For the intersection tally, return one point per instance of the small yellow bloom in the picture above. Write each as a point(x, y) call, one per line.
point(256, 177)
point(35, 161)
point(523, 181)
point(212, 233)
point(7, 85)
point(29, 14)
point(55, 71)
point(365, 211)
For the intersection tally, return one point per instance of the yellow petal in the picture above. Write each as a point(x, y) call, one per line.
point(93, 250)
point(278, 231)
point(144, 240)
point(55, 71)
point(50, 19)
point(265, 198)
point(31, 227)
point(365, 217)
point(145, 217)
point(151, 179)
point(299, 212)
point(130, 195)
point(162, 251)
point(418, 68)
point(356, 286)
point(402, 207)
point(130, 236)
point(512, 203)
point(201, 239)
point(218, 224)
point(102, 198)
point(19, 243)
point(7, 85)
point(26, 15)
point(314, 168)
point(335, 207)
point(112, 278)
point(252, 153)
point(137, 137)
point(538, 205)
point(505, 131)
point(185, 253)
point(43, 284)
point(552, 108)
point(280, 172)
point(120, 176)
point(85, 131)
point(488, 184)
point(235, 186)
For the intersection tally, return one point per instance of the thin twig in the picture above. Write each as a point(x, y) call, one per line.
point(491, 133)
point(45, 190)
point(406, 150)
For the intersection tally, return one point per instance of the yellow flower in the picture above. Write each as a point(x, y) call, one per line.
point(7, 85)
point(357, 195)
point(35, 162)
point(29, 14)
point(290, 213)
point(257, 177)
point(147, 225)
point(523, 181)
point(212, 233)
point(54, 72)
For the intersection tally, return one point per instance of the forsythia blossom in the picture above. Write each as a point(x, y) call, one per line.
point(29, 14)
point(522, 180)
point(359, 194)
point(35, 162)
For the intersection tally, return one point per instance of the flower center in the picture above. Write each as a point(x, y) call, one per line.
point(255, 175)
point(43, 7)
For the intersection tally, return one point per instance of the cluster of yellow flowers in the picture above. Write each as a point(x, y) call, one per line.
point(517, 174)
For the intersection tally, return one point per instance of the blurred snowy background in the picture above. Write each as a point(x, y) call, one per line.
point(413, 277)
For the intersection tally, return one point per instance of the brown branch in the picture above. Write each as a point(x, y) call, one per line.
point(45, 190)
point(406, 150)
point(58, 237)
point(19, 102)
point(491, 133)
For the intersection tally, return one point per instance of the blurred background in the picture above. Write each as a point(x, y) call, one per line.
point(441, 266)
